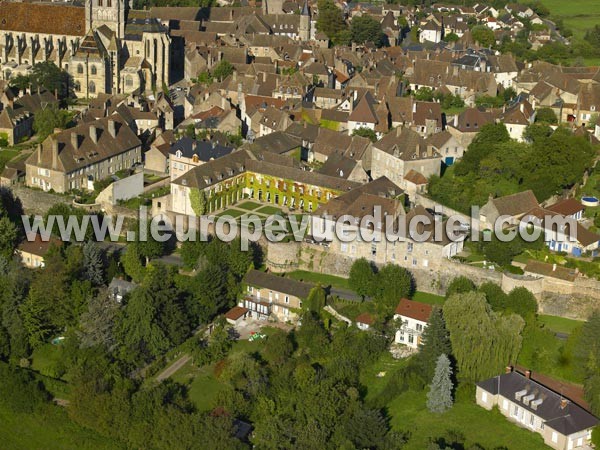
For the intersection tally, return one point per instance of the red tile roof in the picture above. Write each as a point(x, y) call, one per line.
point(39, 247)
point(415, 177)
point(236, 312)
point(414, 310)
point(42, 18)
point(365, 318)
point(567, 207)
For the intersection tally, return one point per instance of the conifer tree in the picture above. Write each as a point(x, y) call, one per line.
point(439, 397)
point(435, 341)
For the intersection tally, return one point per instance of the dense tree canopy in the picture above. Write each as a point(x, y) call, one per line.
point(587, 355)
point(362, 278)
point(331, 22)
point(483, 342)
point(365, 28)
point(493, 164)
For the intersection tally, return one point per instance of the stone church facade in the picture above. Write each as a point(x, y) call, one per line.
point(104, 46)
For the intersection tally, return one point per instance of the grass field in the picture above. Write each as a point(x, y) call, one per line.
point(314, 277)
point(487, 428)
point(408, 413)
point(542, 351)
point(425, 297)
point(560, 324)
point(578, 15)
point(250, 206)
point(201, 382)
point(49, 428)
point(5, 156)
point(45, 359)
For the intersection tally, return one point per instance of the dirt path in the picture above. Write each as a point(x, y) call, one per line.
point(169, 371)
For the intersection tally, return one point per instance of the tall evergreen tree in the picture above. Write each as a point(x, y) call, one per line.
point(93, 265)
point(439, 397)
point(435, 342)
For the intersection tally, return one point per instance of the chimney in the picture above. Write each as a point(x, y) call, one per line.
point(54, 153)
point(112, 128)
point(521, 107)
point(554, 267)
point(39, 154)
point(456, 121)
point(414, 107)
point(264, 77)
point(563, 403)
point(75, 141)
point(508, 369)
point(528, 374)
point(94, 133)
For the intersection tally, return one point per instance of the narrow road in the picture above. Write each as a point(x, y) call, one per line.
point(173, 368)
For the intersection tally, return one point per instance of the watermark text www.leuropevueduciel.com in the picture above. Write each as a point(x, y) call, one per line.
point(250, 227)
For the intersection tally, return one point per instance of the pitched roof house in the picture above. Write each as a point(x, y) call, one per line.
point(563, 424)
point(414, 316)
point(78, 156)
point(513, 206)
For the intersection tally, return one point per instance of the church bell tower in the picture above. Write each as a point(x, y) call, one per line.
point(112, 13)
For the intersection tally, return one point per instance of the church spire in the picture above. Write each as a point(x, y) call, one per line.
point(305, 10)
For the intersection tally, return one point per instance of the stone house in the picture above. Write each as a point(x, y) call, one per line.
point(187, 153)
point(78, 156)
point(400, 151)
point(517, 118)
point(514, 207)
point(563, 424)
point(247, 174)
point(157, 158)
point(447, 145)
point(386, 238)
point(16, 118)
point(32, 253)
point(267, 295)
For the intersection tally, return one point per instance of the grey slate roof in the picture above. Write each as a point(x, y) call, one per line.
point(205, 150)
point(278, 283)
point(566, 420)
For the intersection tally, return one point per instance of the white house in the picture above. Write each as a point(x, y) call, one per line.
point(364, 321)
point(414, 316)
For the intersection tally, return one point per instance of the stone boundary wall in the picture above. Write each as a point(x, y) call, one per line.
point(37, 202)
point(574, 300)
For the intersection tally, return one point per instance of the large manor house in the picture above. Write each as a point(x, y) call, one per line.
point(105, 46)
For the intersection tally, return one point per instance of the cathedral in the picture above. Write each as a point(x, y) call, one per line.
point(104, 45)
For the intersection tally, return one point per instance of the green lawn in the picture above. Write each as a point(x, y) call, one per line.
point(426, 297)
point(268, 210)
point(50, 428)
point(201, 382)
point(352, 309)
point(250, 206)
point(487, 428)
point(543, 352)
point(578, 15)
point(231, 213)
point(560, 324)
point(46, 358)
point(5, 156)
point(370, 378)
point(314, 277)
